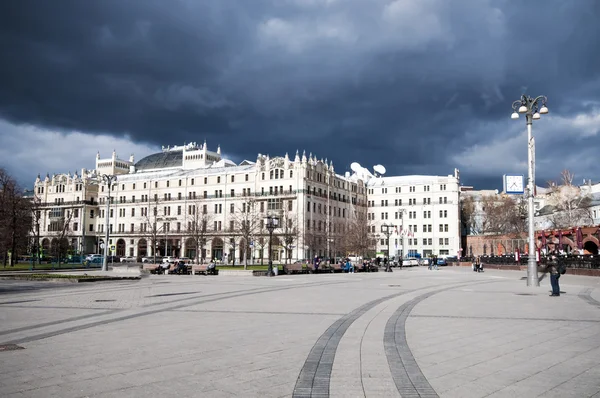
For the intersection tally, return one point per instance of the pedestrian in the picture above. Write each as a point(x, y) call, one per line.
point(348, 266)
point(387, 265)
point(478, 266)
point(555, 270)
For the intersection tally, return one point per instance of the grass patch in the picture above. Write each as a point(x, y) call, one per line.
point(66, 278)
point(27, 267)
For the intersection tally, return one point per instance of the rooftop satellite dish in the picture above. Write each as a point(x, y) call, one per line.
point(379, 169)
point(356, 167)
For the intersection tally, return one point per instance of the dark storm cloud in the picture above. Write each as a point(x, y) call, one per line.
point(408, 84)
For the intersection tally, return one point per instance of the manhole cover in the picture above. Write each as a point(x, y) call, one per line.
point(524, 294)
point(104, 301)
point(11, 347)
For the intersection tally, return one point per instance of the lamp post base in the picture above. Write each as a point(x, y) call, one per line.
point(532, 274)
point(270, 268)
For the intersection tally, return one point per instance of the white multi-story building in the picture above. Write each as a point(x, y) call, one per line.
point(155, 205)
point(423, 213)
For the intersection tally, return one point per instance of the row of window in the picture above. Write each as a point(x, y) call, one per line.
point(415, 242)
point(411, 202)
point(319, 225)
point(411, 215)
point(414, 228)
point(273, 174)
point(165, 228)
point(273, 190)
point(411, 188)
point(272, 204)
point(323, 209)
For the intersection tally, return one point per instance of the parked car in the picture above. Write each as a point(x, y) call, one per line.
point(441, 261)
point(114, 259)
point(186, 260)
point(128, 259)
point(94, 262)
point(92, 256)
point(410, 262)
point(169, 259)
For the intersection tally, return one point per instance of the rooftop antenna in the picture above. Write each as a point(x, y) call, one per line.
point(379, 170)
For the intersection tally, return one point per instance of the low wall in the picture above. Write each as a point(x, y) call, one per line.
point(517, 267)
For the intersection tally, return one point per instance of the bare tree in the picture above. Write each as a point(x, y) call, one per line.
point(60, 228)
point(149, 228)
point(15, 218)
point(502, 215)
point(359, 237)
point(313, 239)
point(262, 240)
point(468, 215)
point(247, 223)
point(36, 216)
point(571, 204)
point(198, 220)
point(288, 233)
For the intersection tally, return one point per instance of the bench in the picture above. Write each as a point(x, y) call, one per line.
point(151, 267)
point(173, 270)
point(293, 268)
point(337, 267)
point(203, 269)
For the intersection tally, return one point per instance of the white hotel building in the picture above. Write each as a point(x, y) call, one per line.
point(179, 181)
point(423, 213)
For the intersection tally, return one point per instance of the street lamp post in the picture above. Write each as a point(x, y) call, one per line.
point(271, 223)
point(402, 234)
point(108, 180)
point(232, 243)
point(532, 108)
point(387, 230)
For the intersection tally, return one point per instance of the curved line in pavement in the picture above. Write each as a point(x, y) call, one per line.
point(315, 376)
point(406, 373)
point(586, 295)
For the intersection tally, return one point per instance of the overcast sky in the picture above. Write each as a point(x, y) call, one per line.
point(421, 87)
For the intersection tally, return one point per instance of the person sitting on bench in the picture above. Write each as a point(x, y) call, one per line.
point(181, 267)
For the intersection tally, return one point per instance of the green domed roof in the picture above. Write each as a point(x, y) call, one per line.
point(161, 160)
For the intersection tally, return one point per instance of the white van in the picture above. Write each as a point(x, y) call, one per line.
point(355, 259)
point(168, 259)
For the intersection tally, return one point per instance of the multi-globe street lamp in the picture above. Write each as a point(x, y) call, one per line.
point(401, 213)
point(271, 223)
point(108, 179)
point(533, 108)
point(387, 230)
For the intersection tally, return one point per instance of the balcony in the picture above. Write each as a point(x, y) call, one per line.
point(67, 204)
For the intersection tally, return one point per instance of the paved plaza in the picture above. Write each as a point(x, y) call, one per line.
point(410, 333)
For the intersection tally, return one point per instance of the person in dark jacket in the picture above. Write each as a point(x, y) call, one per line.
point(553, 268)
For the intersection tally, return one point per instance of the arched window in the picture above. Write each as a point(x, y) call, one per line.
point(291, 173)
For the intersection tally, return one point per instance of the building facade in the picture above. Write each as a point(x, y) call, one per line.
point(420, 212)
point(189, 201)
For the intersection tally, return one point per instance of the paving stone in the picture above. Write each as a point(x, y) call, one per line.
point(462, 335)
